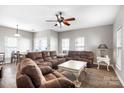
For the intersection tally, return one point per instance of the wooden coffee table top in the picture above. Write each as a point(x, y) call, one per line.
point(73, 64)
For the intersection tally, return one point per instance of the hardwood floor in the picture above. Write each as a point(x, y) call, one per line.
point(8, 79)
point(95, 78)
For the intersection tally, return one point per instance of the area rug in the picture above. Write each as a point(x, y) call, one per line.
point(96, 78)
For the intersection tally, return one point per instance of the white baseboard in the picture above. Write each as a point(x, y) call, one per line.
point(119, 77)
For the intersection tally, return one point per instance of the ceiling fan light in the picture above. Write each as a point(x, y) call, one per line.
point(58, 24)
point(62, 24)
point(17, 35)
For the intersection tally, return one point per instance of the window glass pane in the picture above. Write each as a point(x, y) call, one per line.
point(79, 44)
point(11, 42)
point(65, 44)
point(24, 45)
point(10, 45)
point(40, 43)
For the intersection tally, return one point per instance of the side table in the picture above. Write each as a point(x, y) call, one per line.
point(103, 59)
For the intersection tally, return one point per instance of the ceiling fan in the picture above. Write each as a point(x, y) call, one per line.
point(61, 21)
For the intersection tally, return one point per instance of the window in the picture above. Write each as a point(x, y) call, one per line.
point(11, 42)
point(40, 43)
point(119, 49)
point(43, 43)
point(24, 45)
point(10, 45)
point(65, 44)
point(36, 44)
point(53, 44)
point(79, 44)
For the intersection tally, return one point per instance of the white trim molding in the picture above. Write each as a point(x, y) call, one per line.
point(119, 77)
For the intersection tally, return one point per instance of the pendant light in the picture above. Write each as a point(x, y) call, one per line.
point(17, 32)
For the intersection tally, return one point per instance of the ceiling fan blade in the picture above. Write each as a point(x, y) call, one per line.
point(66, 23)
point(51, 20)
point(69, 19)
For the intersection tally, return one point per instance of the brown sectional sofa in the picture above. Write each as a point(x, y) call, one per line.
point(87, 56)
point(46, 58)
point(29, 75)
point(38, 72)
point(50, 58)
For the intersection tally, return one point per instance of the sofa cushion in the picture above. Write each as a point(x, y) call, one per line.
point(45, 64)
point(76, 58)
point(47, 58)
point(24, 81)
point(60, 83)
point(46, 69)
point(61, 60)
point(85, 54)
point(34, 55)
point(68, 58)
point(49, 77)
point(46, 54)
point(39, 60)
point(53, 53)
point(31, 69)
point(54, 57)
point(85, 59)
point(71, 53)
point(54, 62)
point(57, 74)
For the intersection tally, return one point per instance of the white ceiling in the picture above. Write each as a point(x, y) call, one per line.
point(32, 17)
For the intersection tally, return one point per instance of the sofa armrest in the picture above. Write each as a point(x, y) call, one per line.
point(23, 81)
point(60, 83)
point(46, 69)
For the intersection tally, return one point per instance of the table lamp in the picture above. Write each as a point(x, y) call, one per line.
point(102, 48)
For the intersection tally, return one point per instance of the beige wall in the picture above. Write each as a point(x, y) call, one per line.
point(9, 32)
point(119, 23)
point(93, 37)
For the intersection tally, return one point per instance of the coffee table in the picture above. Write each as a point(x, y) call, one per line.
point(75, 67)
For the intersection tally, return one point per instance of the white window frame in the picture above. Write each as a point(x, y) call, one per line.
point(80, 46)
point(65, 44)
point(118, 48)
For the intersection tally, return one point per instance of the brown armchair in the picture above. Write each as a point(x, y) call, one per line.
point(29, 75)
